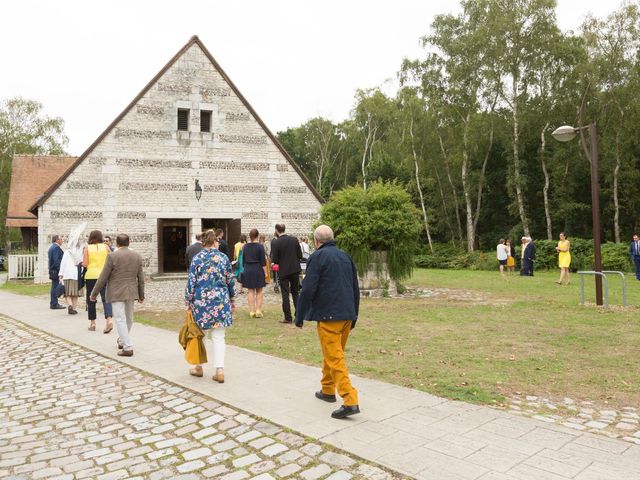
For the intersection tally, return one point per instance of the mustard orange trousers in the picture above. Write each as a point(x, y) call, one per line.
point(333, 340)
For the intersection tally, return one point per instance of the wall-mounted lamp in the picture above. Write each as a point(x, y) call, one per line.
point(198, 190)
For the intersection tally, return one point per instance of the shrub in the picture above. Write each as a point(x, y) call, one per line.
point(381, 218)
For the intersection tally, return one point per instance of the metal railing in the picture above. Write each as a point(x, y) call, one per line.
point(603, 274)
point(22, 266)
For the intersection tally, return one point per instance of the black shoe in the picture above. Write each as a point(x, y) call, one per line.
point(120, 347)
point(57, 307)
point(72, 311)
point(286, 321)
point(127, 353)
point(326, 397)
point(345, 411)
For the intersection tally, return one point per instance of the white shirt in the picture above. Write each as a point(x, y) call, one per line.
point(304, 246)
point(501, 252)
point(68, 270)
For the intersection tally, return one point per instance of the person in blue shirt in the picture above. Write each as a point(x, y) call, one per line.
point(55, 254)
point(634, 251)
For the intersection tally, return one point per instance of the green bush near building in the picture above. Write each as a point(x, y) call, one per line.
point(381, 218)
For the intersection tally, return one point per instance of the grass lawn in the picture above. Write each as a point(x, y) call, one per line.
point(26, 287)
point(529, 335)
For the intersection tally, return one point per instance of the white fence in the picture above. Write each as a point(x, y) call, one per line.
point(22, 266)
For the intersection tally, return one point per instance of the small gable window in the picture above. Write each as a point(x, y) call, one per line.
point(205, 120)
point(183, 119)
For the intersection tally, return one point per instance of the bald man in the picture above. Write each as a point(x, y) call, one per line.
point(330, 296)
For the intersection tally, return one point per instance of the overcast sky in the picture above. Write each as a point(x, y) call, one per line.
point(292, 59)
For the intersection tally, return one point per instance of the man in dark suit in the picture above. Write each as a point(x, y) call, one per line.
point(193, 249)
point(286, 253)
point(55, 254)
point(123, 275)
point(634, 251)
point(528, 258)
point(223, 246)
point(330, 296)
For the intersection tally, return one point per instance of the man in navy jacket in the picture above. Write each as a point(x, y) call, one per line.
point(55, 254)
point(634, 251)
point(528, 258)
point(330, 296)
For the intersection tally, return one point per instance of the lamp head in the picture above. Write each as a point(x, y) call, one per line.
point(566, 133)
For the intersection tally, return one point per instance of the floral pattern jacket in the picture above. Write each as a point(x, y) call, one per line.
point(209, 290)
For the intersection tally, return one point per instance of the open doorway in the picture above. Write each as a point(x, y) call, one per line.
point(172, 244)
point(232, 229)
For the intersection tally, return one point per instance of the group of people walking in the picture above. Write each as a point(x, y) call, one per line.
point(330, 293)
point(330, 296)
point(115, 275)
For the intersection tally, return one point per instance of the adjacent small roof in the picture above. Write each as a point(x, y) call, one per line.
point(31, 177)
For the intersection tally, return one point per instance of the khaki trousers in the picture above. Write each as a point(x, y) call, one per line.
point(333, 340)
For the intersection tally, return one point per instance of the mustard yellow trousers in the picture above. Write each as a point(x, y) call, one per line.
point(333, 340)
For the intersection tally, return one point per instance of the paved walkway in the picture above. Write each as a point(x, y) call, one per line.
point(405, 430)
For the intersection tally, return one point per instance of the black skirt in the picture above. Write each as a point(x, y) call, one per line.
point(253, 276)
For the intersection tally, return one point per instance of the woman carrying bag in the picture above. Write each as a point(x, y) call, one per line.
point(209, 297)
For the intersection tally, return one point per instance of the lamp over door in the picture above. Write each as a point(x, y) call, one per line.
point(198, 190)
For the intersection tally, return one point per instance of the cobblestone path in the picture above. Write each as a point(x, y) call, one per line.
point(68, 413)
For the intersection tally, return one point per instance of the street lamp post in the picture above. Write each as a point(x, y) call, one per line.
point(565, 134)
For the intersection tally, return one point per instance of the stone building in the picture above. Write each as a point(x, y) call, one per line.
point(187, 154)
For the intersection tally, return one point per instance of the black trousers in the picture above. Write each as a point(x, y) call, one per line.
point(527, 268)
point(91, 306)
point(636, 262)
point(289, 284)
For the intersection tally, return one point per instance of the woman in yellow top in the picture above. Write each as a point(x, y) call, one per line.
point(93, 259)
point(564, 258)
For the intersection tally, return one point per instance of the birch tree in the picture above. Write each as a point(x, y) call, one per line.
point(613, 45)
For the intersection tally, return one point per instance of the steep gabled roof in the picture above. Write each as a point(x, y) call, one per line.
point(193, 41)
point(31, 176)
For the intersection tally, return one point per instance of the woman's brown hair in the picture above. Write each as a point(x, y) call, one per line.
point(253, 234)
point(95, 237)
point(209, 238)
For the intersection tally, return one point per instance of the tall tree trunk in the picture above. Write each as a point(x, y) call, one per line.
point(547, 181)
point(616, 204)
point(482, 174)
point(417, 172)
point(516, 157)
point(453, 189)
point(444, 205)
point(464, 173)
point(368, 146)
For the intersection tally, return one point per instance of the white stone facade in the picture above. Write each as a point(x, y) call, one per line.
point(144, 169)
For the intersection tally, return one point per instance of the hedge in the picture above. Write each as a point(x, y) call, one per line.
point(615, 256)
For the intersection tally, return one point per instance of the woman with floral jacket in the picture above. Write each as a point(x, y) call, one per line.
point(209, 295)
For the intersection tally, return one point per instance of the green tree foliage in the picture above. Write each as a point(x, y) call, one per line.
point(24, 130)
point(380, 218)
point(467, 135)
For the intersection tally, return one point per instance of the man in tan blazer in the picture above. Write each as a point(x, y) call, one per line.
point(122, 273)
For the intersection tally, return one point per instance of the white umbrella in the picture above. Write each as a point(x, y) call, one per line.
point(76, 234)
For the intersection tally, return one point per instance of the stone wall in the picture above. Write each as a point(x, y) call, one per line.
point(145, 169)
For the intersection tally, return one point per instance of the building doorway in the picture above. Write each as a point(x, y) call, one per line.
point(173, 240)
point(232, 229)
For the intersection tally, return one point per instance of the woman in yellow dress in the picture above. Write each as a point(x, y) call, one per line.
point(564, 257)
